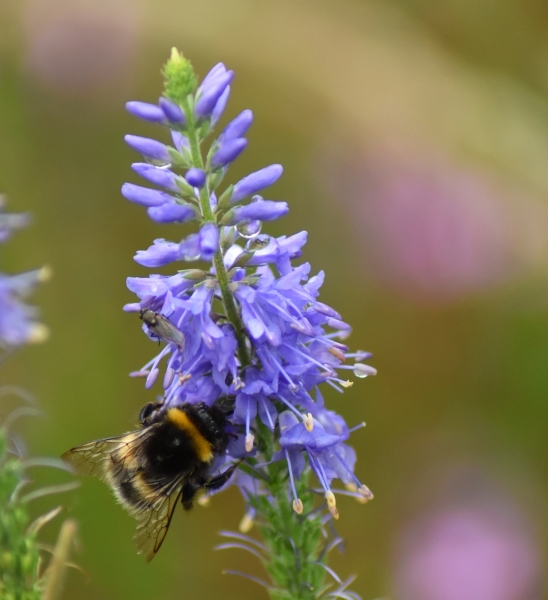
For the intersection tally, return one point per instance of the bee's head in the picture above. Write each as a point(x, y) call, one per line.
point(150, 413)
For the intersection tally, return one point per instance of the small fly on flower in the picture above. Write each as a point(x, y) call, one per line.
point(162, 328)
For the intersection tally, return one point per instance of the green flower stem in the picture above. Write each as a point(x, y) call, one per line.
point(293, 540)
point(231, 311)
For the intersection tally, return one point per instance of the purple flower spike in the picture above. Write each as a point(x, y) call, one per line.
point(160, 254)
point(148, 147)
point(170, 213)
point(237, 127)
point(220, 106)
point(260, 210)
point(157, 175)
point(256, 181)
point(172, 111)
point(145, 196)
point(209, 240)
point(195, 177)
point(228, 152)
point(146, 111)
point(208, 99)
point(258, 345)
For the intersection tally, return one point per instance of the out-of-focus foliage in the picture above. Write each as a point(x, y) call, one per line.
point(414, 136)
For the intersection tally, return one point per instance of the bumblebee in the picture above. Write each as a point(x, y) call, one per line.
point(170, 458)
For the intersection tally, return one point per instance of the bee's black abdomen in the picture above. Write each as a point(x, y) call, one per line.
point(128, 492)
point(170, 451)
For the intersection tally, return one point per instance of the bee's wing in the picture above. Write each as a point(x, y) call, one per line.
point(109, 459)
point(154, 520)
point(94, 458)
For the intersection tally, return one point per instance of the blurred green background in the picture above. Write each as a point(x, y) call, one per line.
point(414, 136)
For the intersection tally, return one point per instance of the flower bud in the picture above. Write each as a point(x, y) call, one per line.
point(256, 181)
point(148, 147)
point(146, 111)
point(172, 111)
point(228, 152)
point(195, 177)
point(145, 196)
point(171, 212)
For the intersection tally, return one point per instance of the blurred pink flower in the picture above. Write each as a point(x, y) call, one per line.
point(77, 48)
point(475, 552)
point(428, 227)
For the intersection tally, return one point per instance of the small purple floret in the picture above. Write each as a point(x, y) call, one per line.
point(170, 212)
point(208, 240)
point(211, 77)
point(220, 106)
point(157, 175)
point(146, 111)
point(237, 127)
point(145, 196)
point(228, 152)
point(261, 210)
point(159, 254)
point(148, 147)
point(195, 177)
point(208, 99)
point(256, 181)
point(172, 111)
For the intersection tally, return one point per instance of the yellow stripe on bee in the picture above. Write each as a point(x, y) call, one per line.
point(201, 445)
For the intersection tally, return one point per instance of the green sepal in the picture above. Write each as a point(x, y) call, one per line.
point(186, 188)
point(228, 216)
point(227, 238)
point(214, 147)
point(214, 179)
point(243, 259)
point(251, 279)
point(204, 129)
point(194, 274)
point(179, 159)
point(180, 79)
point(226, 197)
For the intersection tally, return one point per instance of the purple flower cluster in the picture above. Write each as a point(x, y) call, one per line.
point(18, 321)
point(253, 327)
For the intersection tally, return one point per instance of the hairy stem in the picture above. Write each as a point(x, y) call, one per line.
point(293, 540)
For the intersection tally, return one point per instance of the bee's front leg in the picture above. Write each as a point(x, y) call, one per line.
point(220, 480)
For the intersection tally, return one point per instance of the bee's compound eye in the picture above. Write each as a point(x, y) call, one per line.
point(146, 411)
point(175, 442)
